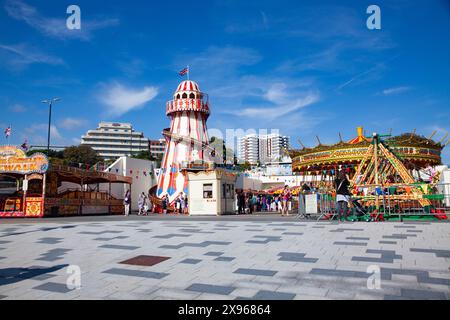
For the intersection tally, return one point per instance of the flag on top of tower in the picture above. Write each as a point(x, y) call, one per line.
point(184, 71)
point(8, 132)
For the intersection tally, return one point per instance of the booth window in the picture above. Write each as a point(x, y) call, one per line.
point(207, 191)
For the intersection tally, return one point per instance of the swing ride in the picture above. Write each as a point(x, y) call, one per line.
point(385, 173)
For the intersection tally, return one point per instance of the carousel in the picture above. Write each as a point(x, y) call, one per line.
point(386, 174)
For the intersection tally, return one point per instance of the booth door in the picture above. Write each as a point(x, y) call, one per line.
point(34, 207)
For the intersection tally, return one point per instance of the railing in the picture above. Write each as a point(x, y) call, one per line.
point(377, 203)
point(187, 105)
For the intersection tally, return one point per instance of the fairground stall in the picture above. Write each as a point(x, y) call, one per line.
point(22, 183)
point(76, 191)
point(391, 177)
point(30, 187)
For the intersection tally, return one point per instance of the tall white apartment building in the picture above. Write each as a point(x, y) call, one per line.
point(112, 140)
point(271, 147)
point(267, 148)
point(248, 148)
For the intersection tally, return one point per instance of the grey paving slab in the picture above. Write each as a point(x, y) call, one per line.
point(422, 294)
point(203, 244)
point(273, 295)
point(191, 261)
point(214, 253)
point(53, 287)
point(53, 254)
point(118, 247)
point(385, 256)
point(439, 253)
point(172, 235)
point(50, 240)
point(256, 272)
point(209, 288)
point(387, 242)
point(224, 259)
point(100, 232)
point(346, 229)
point(295, 257)
point(136, 273)
point(399, 236)
point(350, 243)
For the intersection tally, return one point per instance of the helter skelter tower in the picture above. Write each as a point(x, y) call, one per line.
point(186, 139)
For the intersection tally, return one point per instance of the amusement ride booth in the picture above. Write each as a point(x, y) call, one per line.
point(22, 183)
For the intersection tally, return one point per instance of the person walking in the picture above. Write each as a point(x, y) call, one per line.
point(165, 203)
point(127, 202)
point(285, 196)
point(141, 203)
point(241, 202)
point(182, 203)
point(343, 195)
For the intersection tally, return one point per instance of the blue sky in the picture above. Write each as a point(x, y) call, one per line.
point(306, 68)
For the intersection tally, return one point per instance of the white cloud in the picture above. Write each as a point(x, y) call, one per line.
point(276, 93)
point(37, 134)
point(220, 61)
point(19, 56)
point(76, 141)
point(17, 108)
point(281, 109)
point(55, 27)
point(119, 100)
point(396, 90)
point(72, 123)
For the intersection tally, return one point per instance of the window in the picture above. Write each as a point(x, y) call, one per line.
point(192, 96)
point(207, 191)
point(184, 95)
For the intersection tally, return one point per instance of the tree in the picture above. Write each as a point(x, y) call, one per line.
point(81, 154)
point(52, 153)
point(144, 155)
point(221, 151)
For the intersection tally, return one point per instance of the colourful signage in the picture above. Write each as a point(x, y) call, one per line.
point(14, 160)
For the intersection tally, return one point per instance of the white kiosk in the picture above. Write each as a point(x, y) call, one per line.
point(211, 192)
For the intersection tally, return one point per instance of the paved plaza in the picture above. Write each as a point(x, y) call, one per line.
point(223, 258)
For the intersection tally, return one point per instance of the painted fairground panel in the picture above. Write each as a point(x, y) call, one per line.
point(21, 183)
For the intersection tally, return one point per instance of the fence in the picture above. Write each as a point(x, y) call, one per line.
point(402, 201)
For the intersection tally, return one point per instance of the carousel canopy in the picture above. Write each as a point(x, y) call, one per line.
point(413, 150)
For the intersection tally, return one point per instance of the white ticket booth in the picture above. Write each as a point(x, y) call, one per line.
point(211, 192)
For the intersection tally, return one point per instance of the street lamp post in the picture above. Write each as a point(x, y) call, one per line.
point(50, 103)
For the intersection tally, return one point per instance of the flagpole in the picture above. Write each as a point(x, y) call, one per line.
point(188, 72)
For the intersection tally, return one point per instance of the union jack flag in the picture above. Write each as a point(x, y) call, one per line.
point(25, 145)
point(184, 71)
point(7, 132)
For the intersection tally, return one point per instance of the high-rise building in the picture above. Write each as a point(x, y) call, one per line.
point(248, 148)
point(112, 140)
point(264, 149)
point(157, 148)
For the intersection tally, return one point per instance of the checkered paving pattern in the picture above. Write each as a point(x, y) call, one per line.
point(214, 259)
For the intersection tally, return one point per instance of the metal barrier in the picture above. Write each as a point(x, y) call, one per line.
point(394, 202)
